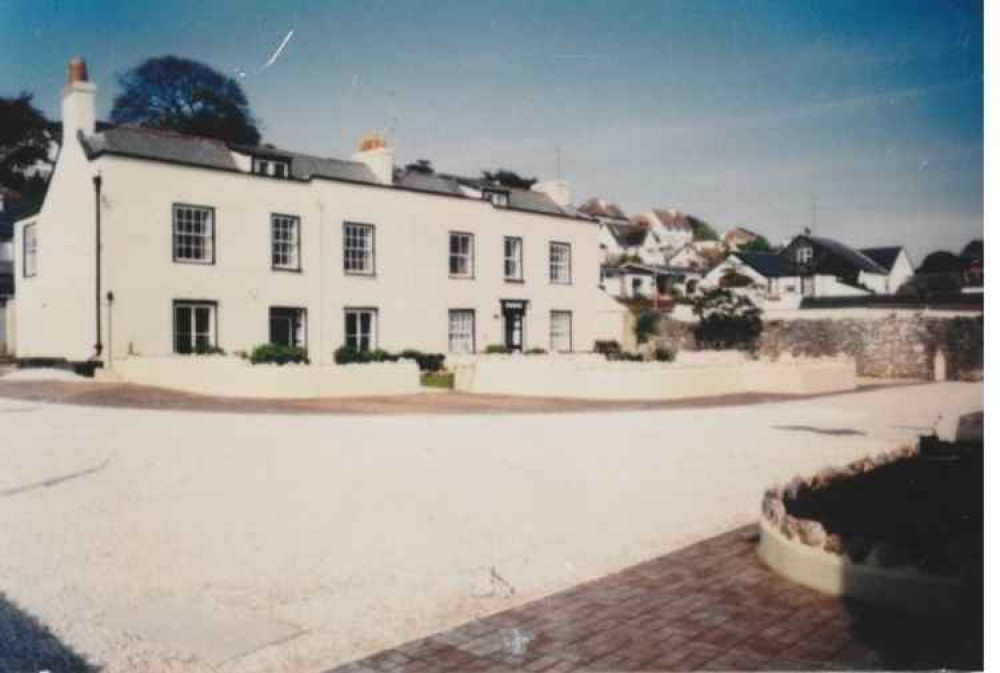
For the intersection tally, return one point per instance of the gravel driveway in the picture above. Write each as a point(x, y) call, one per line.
point(176, 540)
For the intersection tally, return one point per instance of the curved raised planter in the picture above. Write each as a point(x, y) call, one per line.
point(906, 588)
point(803, 552)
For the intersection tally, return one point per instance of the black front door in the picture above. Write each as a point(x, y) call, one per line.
point(513, 325)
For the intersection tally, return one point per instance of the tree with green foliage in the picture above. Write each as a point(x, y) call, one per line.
point(508, 178)
point(703, 231)
point(186, 96)
point(759, 244)
point(26, 141)
point(727, 320)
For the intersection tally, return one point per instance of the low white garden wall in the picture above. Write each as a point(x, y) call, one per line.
point(236, 377)
point(596, 378)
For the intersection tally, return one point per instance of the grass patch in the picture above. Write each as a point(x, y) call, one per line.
point(444, 380)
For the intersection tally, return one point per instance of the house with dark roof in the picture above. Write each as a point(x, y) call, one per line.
point(206, 245)
point(894, 260)
point(763, 276)
point(830, 268)
point(635, 280)
point(812, 266)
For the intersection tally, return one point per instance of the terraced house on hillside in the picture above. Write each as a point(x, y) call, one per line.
point(204, 244)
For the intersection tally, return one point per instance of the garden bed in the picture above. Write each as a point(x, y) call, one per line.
point(903, 528)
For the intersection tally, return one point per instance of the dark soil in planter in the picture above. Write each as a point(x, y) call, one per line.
point(926, 510)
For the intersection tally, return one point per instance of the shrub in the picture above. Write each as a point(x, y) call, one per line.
point(427, 362)
point(663, 354)
point(536, 351)
point(727, 320)
point(497, 349)
point(606, 347)
point(379, 355)
point(647, 324)
point(623, 357)
point(345, 355)
point(202, 349)
point(278, 354)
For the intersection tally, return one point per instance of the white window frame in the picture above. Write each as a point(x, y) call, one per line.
point(560, 270)
point(187, 240)
point(468, 255)
point(286, 242)
point(30, 250)
point(192, 306)
point(461, 330)
point(513, 262)
point(359, 249)
point(358, 334)
point(804, 254)
point(561, 334)
point(275, 168)
point(298, 328)
point(498, 197)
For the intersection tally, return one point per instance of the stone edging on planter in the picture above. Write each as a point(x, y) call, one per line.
point(802, 551)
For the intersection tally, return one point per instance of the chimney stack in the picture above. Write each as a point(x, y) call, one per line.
point(374, 152)
point(557, 190)
point(79, 102)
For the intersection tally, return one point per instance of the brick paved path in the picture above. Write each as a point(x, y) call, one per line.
point(711, 606)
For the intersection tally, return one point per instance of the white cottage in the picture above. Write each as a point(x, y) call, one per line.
point(205, 245)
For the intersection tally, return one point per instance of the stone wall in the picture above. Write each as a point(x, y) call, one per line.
point(885, 347)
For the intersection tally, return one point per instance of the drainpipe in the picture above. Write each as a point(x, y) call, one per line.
point(98, 346)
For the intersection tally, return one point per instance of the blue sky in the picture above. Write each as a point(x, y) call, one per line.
point(742, 112)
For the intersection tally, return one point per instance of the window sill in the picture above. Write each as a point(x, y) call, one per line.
point(561, 282)
point(195, 262)
point(454, 277)
point(360, 274)
point(516, 281)
point(286, 269)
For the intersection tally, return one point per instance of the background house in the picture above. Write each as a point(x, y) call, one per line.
point(738, 237)
point(895, 260)
point(761, 276)
point(831, 269)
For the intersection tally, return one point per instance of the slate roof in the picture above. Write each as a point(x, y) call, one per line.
point(768, 264)
point(850, 255)
point(161, 145)
point(885, 257)
point(626, 234)
point(210, 153)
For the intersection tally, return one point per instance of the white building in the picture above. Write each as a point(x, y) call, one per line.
point(811, 266)
point(762, 276)
point(207, 245)
point(670, 228)
point(895, 260)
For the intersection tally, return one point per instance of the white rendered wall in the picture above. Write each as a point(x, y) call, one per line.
point(557, 377)
point(901, 272)
point(234, 377)
point(56, 306)
point(411, 287)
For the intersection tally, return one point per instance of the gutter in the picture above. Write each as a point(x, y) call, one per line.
point(98, 346)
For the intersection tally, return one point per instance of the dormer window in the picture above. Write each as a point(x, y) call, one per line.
point(804, 255)
point(275, 168)
point(498, 197)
